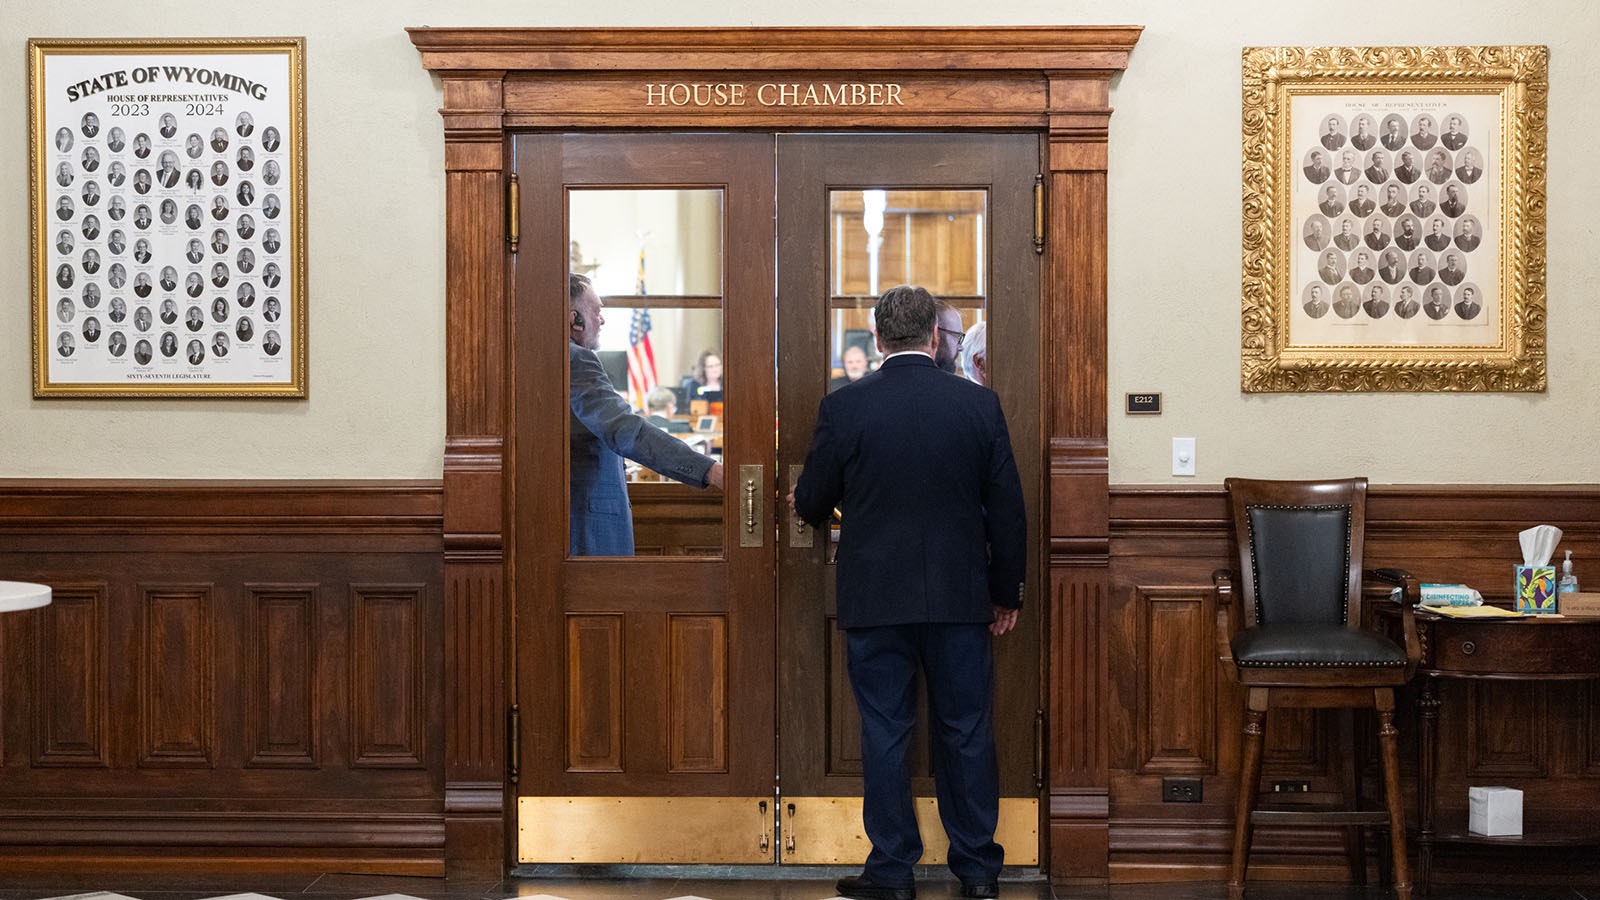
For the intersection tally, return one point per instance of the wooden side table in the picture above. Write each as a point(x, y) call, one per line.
point(1534, 648)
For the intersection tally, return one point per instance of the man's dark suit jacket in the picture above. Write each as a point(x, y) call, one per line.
point(919, 463)
point(604, 430)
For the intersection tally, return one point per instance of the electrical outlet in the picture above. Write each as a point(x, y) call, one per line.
point(1291, 787)
point(1181, 790)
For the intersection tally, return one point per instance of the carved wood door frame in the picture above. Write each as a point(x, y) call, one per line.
point(1051, 80)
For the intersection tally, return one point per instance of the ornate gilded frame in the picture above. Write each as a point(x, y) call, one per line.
point(199, 207)
point(1483, 329)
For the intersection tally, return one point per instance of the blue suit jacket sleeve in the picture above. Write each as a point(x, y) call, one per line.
point(598, 408)
point(1005, 522)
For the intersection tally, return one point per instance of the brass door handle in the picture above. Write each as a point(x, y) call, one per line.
point(750, 497)
point(766, 828)
point(800, 534)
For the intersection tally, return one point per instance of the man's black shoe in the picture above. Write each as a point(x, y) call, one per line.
point(864, 888)
point(980, 889)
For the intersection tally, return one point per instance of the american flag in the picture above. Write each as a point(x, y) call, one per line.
point(641, 359)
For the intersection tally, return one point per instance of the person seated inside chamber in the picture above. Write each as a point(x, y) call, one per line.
point(705, 382)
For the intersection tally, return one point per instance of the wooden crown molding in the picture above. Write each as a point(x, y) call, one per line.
point(1048, 48)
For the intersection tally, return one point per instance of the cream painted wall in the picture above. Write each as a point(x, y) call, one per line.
point(376, 408)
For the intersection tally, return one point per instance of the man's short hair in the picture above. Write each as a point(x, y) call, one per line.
point(906, 317)
point(576, 285)
point(660, 400)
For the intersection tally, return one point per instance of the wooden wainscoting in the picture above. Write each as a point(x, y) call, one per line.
point(232, 675)
point(1174, 713)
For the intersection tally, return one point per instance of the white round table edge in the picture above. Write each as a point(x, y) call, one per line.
point(20, 595)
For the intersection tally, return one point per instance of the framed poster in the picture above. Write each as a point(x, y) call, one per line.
point(1394, 219)
point(168, 217)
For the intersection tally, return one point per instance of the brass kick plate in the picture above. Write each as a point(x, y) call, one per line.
point(827, 831)
point(645, 830)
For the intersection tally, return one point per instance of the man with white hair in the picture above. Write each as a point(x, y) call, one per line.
point(975, 354)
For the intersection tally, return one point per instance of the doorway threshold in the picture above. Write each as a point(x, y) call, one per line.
point(632, 871)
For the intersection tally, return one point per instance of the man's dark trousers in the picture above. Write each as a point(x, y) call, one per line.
point(959, 663)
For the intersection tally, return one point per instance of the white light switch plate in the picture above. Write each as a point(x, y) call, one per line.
point(1182, 456)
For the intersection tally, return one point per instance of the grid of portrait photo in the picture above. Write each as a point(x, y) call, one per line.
point(1396, 217)
point(169, 233)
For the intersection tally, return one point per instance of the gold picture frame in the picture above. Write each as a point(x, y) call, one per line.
point(1334, 197)
point(168, 217)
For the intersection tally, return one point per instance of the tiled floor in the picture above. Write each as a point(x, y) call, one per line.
point(673, 883)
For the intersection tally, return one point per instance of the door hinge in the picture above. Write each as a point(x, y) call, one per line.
point(513, 744)
point(1038, 749)
point(1038, 213)
point(513, 203)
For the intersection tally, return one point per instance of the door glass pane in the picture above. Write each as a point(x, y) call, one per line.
point(880, 238)
point(654, 257)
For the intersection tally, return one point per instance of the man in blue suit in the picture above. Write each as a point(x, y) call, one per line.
point(605, 429)
point(931, 562)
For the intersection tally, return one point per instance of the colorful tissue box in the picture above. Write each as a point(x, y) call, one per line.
point(1536, 589)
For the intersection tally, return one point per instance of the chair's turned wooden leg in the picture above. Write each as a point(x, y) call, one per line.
point(1249, 780)
point(1384, 700)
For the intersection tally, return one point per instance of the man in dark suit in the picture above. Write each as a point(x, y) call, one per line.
point(1315, 306)
point(1407, 238)
point(1468, 237)
point(1363, 139)
point(1438, 305)
point(1406, 306)
point(1362, 205)
point(1331, 205)
point(1407, 171)
point(1423, 206)
point(1393, 268)
point(1452, 273)
point(1316, 237)
point(1424, 138)
point(604, 430)
point(1469, 170)
point(1394, 136)
point(1332, 268)
point(1348, 171)
point(1453, 206)
point(1453, 137)
point(1361, 272)
point(1331, 138)
point(1376, 237)
point(1317, 170)
point(1347, 239)
point(925, 577)
point(1468, 307)
point(1421, 271)
point(1346, 305)
point(1377, 305)
point(1393, 203)
point(1437, 238)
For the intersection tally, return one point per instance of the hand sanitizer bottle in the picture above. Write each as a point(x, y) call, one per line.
point(1569, 581)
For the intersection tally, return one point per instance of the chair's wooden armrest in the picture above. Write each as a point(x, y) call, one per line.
point(1410, 598)
point(1228, 620)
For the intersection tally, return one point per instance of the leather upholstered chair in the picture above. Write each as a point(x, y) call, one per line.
point(1295, 639)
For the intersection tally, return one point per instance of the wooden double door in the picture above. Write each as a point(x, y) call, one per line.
point(690, 703)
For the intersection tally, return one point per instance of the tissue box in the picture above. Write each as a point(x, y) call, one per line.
point(1536, 589)
point(1494, 811)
